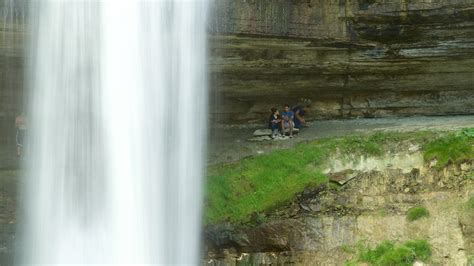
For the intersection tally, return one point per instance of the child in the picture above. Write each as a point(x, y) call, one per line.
point(274, 122)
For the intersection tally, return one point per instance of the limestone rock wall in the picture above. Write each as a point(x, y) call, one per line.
point(353, 58)
point(322, 225)
point(365, 58)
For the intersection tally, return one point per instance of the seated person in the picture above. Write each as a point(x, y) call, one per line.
point(287, 116)
point(274, 122)
point(300, 110)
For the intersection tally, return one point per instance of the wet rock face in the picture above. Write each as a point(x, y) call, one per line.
point(366, 58)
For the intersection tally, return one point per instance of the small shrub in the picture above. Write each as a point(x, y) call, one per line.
point(421, 248)
point(416, 213)
point(387, 253)
point(373, 255)
point(398, 256)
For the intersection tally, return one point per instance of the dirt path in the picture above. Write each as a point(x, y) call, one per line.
point(231, 143)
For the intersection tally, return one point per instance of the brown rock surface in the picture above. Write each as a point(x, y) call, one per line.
point(366, 58)
point(353, 58)
point(370, 208)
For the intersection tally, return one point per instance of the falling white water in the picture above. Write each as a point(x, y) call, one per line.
point(118, 116)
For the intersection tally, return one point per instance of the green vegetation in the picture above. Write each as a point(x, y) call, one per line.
point(355, 144)
point(452, 148)
point(388, 253)
point(235, 191)
point(470, 203)
point(416, 213)
point(470, 177)
point(469, 132)
point(470, 260)
point(238, 191)
point(257, 184)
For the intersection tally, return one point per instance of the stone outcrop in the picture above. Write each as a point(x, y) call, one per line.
point(322, 224)
point(365, 58)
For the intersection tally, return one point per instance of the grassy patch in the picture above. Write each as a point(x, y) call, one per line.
point(452, 148)
point(469, 132)
point(235, 191)
point(388, 253)
point(256, 184)
point(371, 145)
point(416, 213)
point(239, 190)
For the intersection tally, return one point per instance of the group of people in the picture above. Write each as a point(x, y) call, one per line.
point(286, 121)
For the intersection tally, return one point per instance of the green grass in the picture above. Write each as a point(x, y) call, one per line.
point(416, 213)
point(469, 132)
point(388, 253)
point(237, 191)
point(258, 184)
point(452, 148)
point(371, 145)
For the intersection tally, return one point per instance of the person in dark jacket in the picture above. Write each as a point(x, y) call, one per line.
point(274, 122)
point(300, 111)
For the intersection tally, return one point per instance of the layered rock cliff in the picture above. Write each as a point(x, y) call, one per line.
point(365, 58)
point(352, 58)
point(325, 225)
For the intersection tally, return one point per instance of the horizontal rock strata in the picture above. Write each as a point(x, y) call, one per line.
point(366, 58)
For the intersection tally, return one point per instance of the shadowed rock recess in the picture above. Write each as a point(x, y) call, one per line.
point(353, 58)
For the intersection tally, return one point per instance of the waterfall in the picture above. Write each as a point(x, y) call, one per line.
point(118, 113)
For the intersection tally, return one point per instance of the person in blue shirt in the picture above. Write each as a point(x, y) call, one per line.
point(287, 116)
